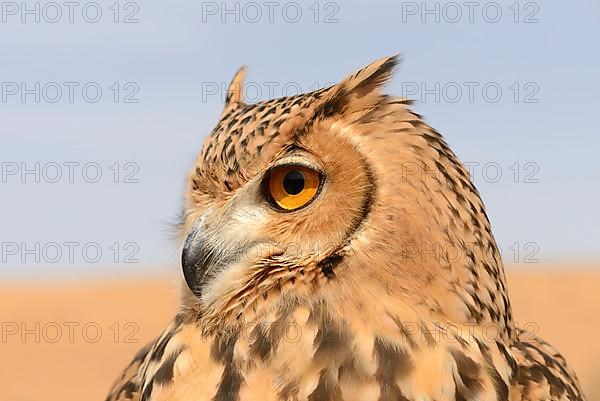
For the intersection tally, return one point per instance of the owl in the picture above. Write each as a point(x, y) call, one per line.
point(335, 248)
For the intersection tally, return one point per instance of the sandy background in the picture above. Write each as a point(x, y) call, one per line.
point(68, 342)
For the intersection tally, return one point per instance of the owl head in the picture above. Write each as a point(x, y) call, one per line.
point(341, 196)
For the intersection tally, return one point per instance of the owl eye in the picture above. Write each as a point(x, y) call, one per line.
point(291, 187)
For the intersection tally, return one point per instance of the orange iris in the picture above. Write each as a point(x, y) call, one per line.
point(292, 187)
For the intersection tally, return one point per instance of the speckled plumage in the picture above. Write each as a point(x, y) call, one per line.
point(388, 286)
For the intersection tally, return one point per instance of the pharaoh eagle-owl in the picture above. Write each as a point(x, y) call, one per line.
point(335, 248)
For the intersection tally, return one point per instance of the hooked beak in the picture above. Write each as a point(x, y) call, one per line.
point(204, 255)
point(190, 259)
point(196, 258)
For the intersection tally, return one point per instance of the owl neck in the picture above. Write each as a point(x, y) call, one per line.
point(427, 241)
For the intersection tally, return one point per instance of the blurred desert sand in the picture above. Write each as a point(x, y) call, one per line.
point(68, 342)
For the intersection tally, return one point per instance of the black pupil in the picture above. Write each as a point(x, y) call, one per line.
point(293, 182)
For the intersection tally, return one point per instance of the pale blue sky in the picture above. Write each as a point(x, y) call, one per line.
point(177, 54)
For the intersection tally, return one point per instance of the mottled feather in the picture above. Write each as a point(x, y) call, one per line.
point(388, 286)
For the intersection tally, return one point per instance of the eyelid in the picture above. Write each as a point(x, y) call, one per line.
point(297, 160)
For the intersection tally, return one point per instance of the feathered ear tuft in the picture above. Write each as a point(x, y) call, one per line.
point(371, 77)
point(235, 91)
point(358, 90)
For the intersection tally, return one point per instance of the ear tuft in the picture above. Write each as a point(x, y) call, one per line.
point(359, 90)
point(371, 77)
point(235, 90)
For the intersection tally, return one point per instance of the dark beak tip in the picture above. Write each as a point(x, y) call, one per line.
point(190, 262)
